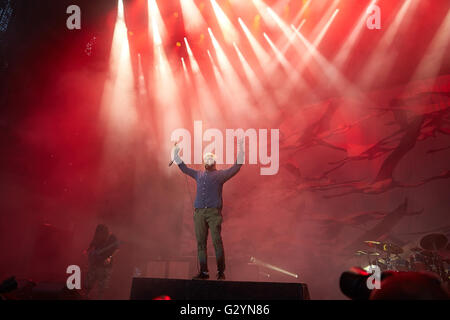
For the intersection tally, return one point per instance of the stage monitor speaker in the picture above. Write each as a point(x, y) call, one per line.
point(53, 291)
point(178, 289)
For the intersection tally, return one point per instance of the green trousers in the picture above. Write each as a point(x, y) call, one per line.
point(205, 219)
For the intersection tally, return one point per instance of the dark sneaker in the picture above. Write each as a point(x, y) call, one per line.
point(201, 276)
point(220, 276)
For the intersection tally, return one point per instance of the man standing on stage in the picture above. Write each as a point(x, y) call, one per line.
point(208, 207)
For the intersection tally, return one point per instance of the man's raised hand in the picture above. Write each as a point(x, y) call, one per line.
point(176, 157)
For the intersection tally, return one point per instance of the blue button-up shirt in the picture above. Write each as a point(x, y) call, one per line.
point(209, 184)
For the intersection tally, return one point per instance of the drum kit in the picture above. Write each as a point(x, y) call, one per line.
point(425, 257)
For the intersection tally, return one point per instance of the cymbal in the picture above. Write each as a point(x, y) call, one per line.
point(421, 251)
point(392, 248)
point(434, 241)
point(385, 246)
point(363, 253)
point(372, 242)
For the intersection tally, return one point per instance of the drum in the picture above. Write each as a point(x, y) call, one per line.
point(420, 262)
point(437, 266)
point(401, 265)
point(381, 263)
point(447, 270)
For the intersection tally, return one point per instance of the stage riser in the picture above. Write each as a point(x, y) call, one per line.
point(178, 289)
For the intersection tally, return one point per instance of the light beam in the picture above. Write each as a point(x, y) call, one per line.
point(229, 32)
point(193, 20)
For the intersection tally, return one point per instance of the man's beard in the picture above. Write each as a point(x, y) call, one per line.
point(210, 167)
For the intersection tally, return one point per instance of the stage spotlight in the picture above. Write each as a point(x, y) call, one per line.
point(118, 104)
point(166, 94)
point(317, 34)
point(183, 63)
point(224, 63)
point(119, 89)
point(262, 98)
point(324, 20)
point(260, 53)
point(324, 30)
point(301, 12)
point(194, 65)
point(290, 35)
point(349, 43)
point(291, 39)
point(294, 78)
point(232, 80)
point(249, 73)
point(165, 89)
point(283, 26)
point(306, 57)
point(219, 79)
point(193, 20)
point(380, 62)
point(156, 25)
point(206, 107)
point(223, 88)
point(262, 10)
point(229, 32)
point(187, 77)
point(330, 71)
point(435, 54)
point(280, 57)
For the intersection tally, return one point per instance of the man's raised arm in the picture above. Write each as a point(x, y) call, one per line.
point(231, 171)
point(183, 167)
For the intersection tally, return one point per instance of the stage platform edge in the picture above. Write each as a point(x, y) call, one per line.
point(181, 289)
